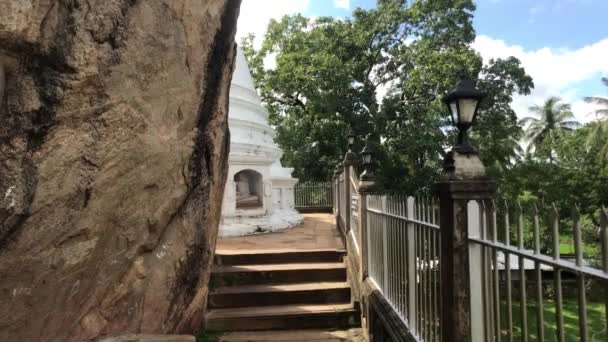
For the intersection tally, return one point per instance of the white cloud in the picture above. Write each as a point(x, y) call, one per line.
point(555, 71)
point(345, 4)
point(255, 15)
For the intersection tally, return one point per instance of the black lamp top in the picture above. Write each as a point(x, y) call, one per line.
point(465, 88)
point(368, 149)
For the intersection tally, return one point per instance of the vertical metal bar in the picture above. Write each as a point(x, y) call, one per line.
point(432, 265)
point(307, 196)
point(582, 299)
point(476, 265)
point(384, 246)
point(420, 232)
point(404, 251)
point(508, 274)
point(439, 271)
point(389, 253)
point(496, 275)
point(320, 194)
point(422, 256)
point(365, 233)
point(557, 274)
point(522, 275)
point(539, 281)
point(400, 260)
point(486, 273)
point(434, 270)
point(604, 240)
point(411, 267)
point(396, 249)
point(418, 274)
point(428, 270)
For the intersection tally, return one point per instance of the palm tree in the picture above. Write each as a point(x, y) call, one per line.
point(598, 137)
point(598, 134)
point(601, 101)
point(550, 121)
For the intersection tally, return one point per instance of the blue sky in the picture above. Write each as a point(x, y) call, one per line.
point(563, 44)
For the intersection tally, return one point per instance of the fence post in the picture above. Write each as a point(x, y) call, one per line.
point(350, 159)
point(463, 179)
point(366, 186)
point(336, 185)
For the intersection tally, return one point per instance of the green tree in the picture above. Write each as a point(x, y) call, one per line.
point(580, 177)
point(550, 122)
point(382, 72)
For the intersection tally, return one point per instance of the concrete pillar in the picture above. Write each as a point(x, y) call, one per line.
point(464, 179)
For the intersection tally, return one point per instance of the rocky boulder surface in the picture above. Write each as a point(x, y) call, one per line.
point(113, 159)
point(150, 338)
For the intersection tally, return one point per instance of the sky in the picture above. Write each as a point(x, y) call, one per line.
point(562, 44)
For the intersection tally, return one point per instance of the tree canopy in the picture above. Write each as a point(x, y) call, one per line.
point(382, 72)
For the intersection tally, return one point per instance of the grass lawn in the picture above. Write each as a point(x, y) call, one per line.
point(567, 247)
point(596, 321)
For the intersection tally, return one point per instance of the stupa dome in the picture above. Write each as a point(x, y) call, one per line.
point(260, 191)
point(251, 136)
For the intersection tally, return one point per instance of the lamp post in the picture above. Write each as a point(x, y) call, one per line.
point(367, 155)
point(350, 138)
point(463, 180)
point(350, 158)
point(463, 103)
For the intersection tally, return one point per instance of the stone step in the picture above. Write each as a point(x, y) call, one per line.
point(238, 257)
point(277, 274)
point(282, 294)
point(352, 335)
point(283, 317)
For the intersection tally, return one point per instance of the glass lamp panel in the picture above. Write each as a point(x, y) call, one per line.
point(367, 158)
point(454, 111)
point(467, 110)
point(351, 140)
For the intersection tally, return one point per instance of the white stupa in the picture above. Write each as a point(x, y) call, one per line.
point(259, 193)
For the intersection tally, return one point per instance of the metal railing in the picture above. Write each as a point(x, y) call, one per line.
point(468, 268)
point(314, 195)
point(403, 259)
point(522, 283)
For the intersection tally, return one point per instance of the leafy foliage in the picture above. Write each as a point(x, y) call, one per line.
point(382, 72)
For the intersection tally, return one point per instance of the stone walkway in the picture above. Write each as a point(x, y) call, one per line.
point(317, 232)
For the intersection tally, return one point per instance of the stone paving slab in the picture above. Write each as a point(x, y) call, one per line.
point(317, 232)
point(352, 335)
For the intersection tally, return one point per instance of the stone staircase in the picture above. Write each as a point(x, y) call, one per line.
point(280, 290)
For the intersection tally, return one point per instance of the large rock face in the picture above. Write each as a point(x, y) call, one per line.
point(113, 160)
